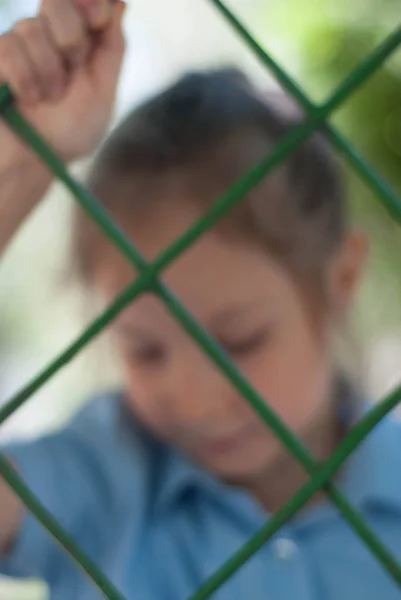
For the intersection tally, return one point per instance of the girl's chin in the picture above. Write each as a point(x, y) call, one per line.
point(241, 466)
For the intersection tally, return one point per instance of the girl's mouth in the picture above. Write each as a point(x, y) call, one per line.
point(225, 444)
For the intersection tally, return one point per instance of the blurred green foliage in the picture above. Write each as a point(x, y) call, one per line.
point(331, 37)
point(328, 38)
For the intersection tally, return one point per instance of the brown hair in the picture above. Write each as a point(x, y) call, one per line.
point(203, 133)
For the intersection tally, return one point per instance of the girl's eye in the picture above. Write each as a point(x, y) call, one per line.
point(149, 354)
point(245, 345)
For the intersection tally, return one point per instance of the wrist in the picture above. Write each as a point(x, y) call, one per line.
point(20, 159)
point(24, 180)
point(15, 154)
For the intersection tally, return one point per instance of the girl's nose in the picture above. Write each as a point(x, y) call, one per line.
point(202, 395)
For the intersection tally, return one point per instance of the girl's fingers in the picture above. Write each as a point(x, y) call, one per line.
point(39, 56)
point(45, 59)
point(17, 70)
point(108, 56)
point(67, 28)
point(97, 13)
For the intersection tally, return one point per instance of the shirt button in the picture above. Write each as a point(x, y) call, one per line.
point(285, 549)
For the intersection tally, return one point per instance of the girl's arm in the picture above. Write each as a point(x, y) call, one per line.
point(63, 68)
point(23, 182)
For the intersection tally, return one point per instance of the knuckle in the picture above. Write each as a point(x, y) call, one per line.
point(70, 45)
point(51, 76)
point(70, 40)
point(24, 80)
point(15, 69)
point(7, 47)
point(66, 26)
point(64, 40)
point(27, 28)
point(76, 49)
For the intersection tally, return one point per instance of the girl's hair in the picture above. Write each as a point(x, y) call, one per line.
point(196, 139)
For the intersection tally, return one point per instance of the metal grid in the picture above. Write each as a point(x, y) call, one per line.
point(148, 280)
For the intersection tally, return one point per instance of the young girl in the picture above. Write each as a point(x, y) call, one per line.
point(161, 482)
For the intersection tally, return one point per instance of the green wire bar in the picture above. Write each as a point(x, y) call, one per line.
point(321, 475)
point(386, 195)
point(289, 143)
point(64, 539)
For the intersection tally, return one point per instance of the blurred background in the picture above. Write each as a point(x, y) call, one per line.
point(42, 309)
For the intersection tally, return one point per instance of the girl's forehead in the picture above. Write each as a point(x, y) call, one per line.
point(213, 277)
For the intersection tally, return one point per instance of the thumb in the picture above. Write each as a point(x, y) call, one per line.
point(110, 52)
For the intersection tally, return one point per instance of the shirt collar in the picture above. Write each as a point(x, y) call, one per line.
point(178, 477)
point(370, 478)
point(372, 474)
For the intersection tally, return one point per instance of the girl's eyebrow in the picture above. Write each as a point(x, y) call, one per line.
point(231, 315)
point(223, 319)
point(227, 317)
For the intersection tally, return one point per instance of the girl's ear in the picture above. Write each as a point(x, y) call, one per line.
point(346, 271)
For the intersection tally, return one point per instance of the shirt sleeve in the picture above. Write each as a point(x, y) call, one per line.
point(76, 475)
point(85, 475)
point(63, 473)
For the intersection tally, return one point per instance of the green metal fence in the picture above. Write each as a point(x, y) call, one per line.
point(148, 280)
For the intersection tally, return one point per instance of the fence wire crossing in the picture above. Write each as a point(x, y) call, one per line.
point(148, 281)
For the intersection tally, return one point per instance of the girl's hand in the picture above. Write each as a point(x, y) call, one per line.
point(63, 68)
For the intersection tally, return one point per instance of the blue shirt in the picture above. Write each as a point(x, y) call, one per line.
point(158, 526)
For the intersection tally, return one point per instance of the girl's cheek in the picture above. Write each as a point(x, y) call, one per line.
point(290, 375)
point(140, 400)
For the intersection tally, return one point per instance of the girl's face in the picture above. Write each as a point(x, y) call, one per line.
point(250, 304)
